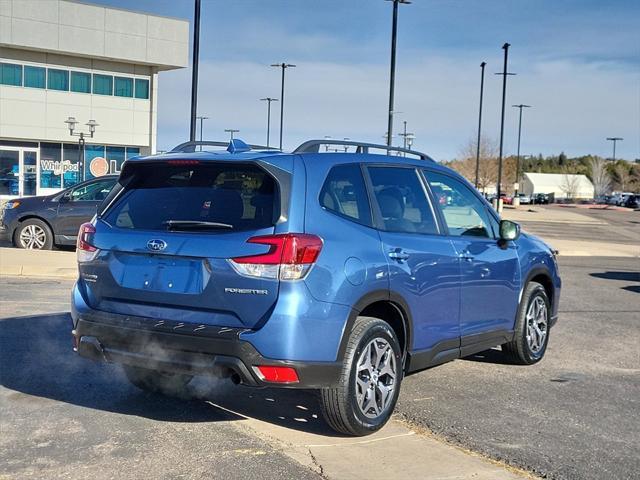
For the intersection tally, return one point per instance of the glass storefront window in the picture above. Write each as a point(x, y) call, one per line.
point(132, 152)
point(115, 157)
point(95, 163)
point(11, 74)
point(9, 172)
point(70, 167)
point(58, 80)
point(123, 87)
point(102, 84)
point(50, 165)
point(35, 77)
point(142, 88)
point(81, 82)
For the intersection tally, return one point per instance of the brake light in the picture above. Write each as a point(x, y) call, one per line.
point(84, 249)
point(277, 374)
point(290, 256)
point(183, 162)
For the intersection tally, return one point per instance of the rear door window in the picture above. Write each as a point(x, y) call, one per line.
point(183, 197)
point(344, 193)
point(402, 200)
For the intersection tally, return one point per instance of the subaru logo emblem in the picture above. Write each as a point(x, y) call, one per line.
point(156, 245)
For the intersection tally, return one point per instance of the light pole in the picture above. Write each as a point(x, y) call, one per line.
point(283, 66)
point(71, 123)
point(194, 70)
point(392, 75)
point(504, 74)
point(407, 138)
point(482, 65)
point(614, 140)
point(346, 147)
point(231, 131)
point(521, 106)
point(202, 119)
point(268, 100)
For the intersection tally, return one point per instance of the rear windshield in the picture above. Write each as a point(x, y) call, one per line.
point(162, 197)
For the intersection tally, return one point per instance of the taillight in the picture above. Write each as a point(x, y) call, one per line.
point(290, 256)
point(85, 250)
point(277, 374)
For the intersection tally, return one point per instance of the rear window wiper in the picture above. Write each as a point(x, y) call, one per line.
point(195, 225)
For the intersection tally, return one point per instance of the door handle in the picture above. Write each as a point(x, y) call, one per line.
point(399, 255)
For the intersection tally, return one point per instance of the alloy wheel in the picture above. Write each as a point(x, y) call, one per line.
point(33, 237)
point(375, 378)
point(537, 324)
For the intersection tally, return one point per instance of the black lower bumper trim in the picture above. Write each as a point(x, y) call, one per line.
point(197, 355)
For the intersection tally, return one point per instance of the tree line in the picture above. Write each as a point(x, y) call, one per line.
point(606, 175)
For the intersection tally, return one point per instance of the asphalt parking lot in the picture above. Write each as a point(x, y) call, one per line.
point(573, 416)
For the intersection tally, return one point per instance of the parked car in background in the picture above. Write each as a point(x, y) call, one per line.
point(336, 272)
point(524, 199)
point(39, 223)
point(541, 199)
point(620, 198)
point(633, 201)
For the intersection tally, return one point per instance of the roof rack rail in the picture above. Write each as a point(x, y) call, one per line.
point(189, 147)
point(313, 146)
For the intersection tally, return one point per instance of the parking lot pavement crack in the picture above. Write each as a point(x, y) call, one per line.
point(318, 466)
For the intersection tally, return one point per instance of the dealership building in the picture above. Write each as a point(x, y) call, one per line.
point(62, 59)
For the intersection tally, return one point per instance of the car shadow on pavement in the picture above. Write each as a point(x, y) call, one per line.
point(623, 277)
point(493, 355)
point(36, 359)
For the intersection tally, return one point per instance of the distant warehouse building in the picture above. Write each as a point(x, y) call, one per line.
point(61, 59)
point(558, 185)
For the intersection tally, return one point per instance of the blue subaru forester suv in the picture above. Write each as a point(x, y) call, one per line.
point(340, 272)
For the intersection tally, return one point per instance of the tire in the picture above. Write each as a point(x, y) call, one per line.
point(172, 384)
point(348, 408)
point(529, 343)
point(33, 234)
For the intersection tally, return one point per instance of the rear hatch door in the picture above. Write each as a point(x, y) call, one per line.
point(166, 240)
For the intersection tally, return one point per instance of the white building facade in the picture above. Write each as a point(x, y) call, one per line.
point(61, 59)
point(558, 185)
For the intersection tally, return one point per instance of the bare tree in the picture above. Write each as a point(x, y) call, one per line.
point(570, 184)
point(488, 166)
point(622, 176)
point(599, 176)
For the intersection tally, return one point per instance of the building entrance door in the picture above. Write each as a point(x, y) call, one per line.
point(18, 172)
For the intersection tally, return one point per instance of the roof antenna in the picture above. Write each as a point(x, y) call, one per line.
point(238, 146)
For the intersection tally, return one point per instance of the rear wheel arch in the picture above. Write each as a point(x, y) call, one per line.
point(387, 306)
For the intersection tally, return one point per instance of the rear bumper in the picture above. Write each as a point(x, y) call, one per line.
point(155, 344)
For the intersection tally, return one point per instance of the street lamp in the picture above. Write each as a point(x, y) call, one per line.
point(482, 65)
point(405, 136)
point(71, 123)
point(392, 75)
point(268, 100)
point(202, 119)
point(231, 131)
point(283, 66)
point(194, 70)
point(504, 74)
point(346, 147)
point(521, 106)
point(614, 140)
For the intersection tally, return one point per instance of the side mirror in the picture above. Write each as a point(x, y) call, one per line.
point(509, 230)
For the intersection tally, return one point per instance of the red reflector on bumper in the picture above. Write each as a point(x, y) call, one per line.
point(278, 374)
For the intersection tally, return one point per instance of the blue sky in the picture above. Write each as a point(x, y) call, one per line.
point(577, 63)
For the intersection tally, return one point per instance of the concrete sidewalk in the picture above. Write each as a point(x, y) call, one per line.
point(538, 213)
point(38, 263)
point(396, 451)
